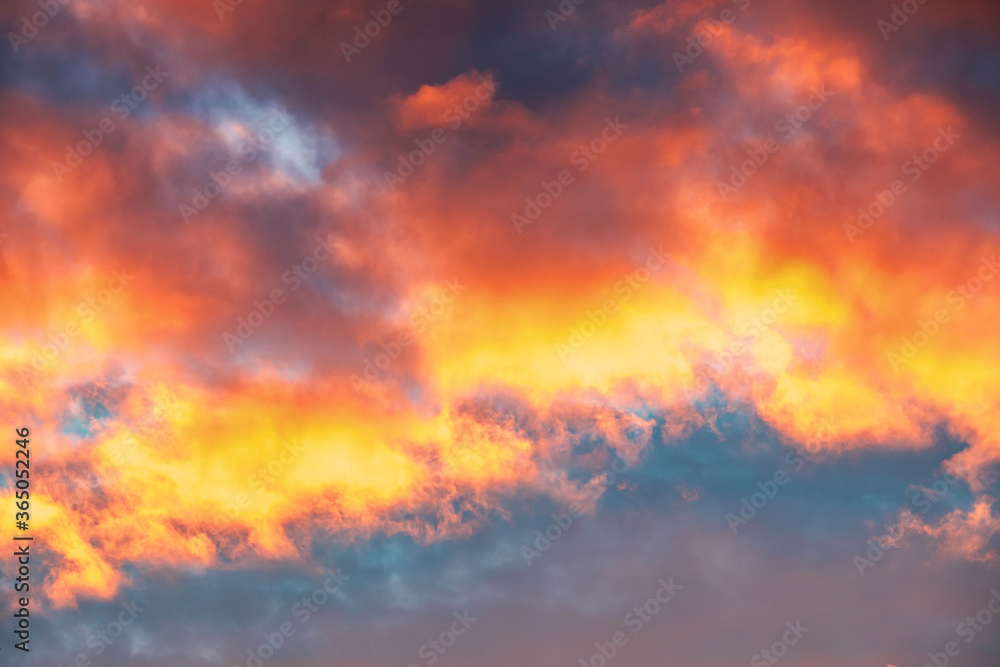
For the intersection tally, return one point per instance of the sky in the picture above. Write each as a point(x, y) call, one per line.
point(406, 333)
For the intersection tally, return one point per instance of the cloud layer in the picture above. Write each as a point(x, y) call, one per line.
point(262, 297)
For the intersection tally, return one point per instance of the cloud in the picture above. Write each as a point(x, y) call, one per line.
point(478, 407)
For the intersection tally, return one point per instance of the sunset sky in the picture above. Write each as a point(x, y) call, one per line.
point(496, 326)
